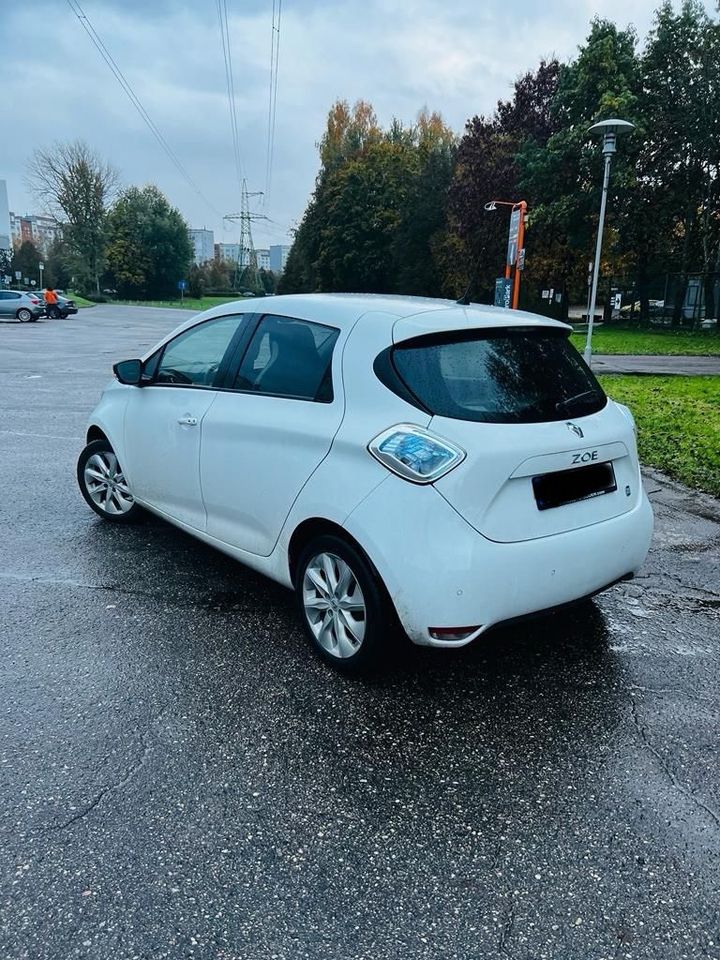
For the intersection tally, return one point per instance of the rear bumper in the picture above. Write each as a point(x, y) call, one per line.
point(441, 572)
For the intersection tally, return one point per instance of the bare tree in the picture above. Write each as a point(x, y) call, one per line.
point(76, 185)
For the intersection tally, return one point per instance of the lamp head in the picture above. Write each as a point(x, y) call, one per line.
point(610, 130)
point(612, 126)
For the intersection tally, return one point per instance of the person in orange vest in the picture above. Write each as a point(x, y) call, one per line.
point(52, 302)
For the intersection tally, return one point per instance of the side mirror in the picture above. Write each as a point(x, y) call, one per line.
point(129, 372)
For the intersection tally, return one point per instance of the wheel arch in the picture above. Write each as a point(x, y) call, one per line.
point(95, 433)
point(316, 527)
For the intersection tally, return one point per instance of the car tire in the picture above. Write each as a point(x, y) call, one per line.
point(103, 485)
point(344, 606)
point(24, 315)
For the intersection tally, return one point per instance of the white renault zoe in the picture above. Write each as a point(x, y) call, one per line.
point(391, 459)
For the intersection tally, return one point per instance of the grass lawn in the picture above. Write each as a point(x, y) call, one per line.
point(647, 342)
point(678, 421)
point(79, 301)
point(189, 303)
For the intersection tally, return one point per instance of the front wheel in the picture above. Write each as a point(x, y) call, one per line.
point(103, 484)
point(344, 606)
point(24, 315)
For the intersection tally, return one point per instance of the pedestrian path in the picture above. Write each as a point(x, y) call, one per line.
point(684, 366)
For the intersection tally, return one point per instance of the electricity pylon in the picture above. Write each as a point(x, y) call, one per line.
point(246, 263)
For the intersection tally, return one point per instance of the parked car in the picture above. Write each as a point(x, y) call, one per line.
point(21, 305)
point(65, 306)
point(388, 458)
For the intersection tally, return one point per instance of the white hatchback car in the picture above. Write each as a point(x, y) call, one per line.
point(388, 458)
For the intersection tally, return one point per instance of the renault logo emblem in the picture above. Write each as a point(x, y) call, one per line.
point(575, 429)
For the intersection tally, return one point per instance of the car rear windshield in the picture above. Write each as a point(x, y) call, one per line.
point(511, 375)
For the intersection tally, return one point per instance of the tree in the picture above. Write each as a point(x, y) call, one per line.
point(473, 248)
point(58, 263)
point(377, 208)
point(25, 260)
point(5, 264)
point(679, 165)
point(418, 236)
point(149, 247)
point(75, 185)
point(562, 177)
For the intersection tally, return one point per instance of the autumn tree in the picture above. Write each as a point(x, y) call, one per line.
point(76, 185)
point(377, 206)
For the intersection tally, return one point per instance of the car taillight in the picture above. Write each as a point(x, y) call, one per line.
point(414, 453)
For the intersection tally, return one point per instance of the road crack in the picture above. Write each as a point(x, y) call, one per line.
point(687, 793)
point(149, 744)
point(507, 929)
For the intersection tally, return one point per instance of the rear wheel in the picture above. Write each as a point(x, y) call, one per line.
point(344, 606)
point(24, 315)
point(103, 484)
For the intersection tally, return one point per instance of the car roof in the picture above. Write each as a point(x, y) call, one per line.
point(405, 316)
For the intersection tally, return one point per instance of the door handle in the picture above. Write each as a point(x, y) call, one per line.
point(188, 421)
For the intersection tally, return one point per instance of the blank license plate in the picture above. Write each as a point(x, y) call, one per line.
point(569, 486)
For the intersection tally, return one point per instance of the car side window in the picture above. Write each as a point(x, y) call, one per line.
point(193, 358)
point(289, 358)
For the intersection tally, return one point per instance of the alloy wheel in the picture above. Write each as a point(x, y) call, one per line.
point(106, 485)
point(334, 605)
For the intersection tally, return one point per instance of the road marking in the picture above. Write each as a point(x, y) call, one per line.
point(39, 436)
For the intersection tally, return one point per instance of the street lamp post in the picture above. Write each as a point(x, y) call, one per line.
point(610, 130)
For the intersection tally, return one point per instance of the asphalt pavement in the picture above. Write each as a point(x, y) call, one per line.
point(657, 364)
point(180, 777)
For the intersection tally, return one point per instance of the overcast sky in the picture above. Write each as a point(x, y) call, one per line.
point(455, 56)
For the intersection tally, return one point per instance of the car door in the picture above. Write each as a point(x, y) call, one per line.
point(8, 303)
point(268, 431)
point(163, 419)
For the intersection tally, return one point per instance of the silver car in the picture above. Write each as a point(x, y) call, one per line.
point(20, 305)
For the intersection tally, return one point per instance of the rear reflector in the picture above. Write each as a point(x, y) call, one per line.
point(452, 633)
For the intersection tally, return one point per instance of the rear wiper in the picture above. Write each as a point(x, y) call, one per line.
point(585, 395)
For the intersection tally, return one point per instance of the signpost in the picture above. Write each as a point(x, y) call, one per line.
point(41, 267)
point(515, 257)
point(503, 292)
point(18, 275)
point(182, 287)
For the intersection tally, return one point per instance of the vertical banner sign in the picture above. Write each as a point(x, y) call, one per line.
point(512, 250)
point(503, 291)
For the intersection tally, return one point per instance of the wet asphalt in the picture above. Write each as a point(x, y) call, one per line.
point(180, 777)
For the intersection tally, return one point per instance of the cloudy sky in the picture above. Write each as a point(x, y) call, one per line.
point(456, 56)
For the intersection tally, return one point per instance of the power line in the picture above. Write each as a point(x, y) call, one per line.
point(134, 99)
point(230, 84)
point(272, 95)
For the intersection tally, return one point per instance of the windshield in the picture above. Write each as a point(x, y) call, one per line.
point(511, 375)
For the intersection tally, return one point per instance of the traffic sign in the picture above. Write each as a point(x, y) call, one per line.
point(18, 275)
point(182, 285)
